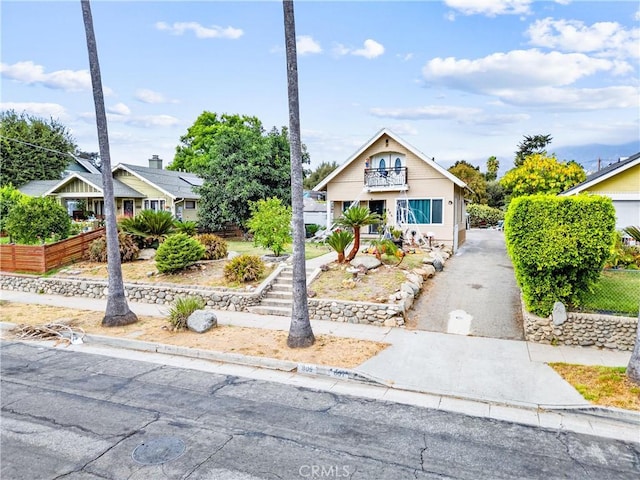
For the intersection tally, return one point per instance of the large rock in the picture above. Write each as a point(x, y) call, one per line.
point(368, 261)
point(559, 313)
point(201, 321)
point(147, 254)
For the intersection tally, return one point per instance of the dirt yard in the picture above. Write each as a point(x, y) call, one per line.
point(328, 350)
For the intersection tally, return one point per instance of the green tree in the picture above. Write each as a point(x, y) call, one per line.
point(473, 178)
point(9, 198)
point(35, 220)
point(117, 312)
point(239, 164)
point(493, 165)
point(542, 174)
point(355, 218)
point(531, 144)
point(32, 148)
point(495, 194)
point(300, 332)
point(270, 224)
point(319, 174)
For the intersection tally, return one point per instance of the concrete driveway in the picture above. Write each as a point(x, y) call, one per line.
point(476, 293)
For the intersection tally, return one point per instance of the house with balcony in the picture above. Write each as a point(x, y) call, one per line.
point(410, 190)
point(135, 188)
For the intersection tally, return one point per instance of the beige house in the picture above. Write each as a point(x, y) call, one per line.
point(135, 188)
point(409, 189)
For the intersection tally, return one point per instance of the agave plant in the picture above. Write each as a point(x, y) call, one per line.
point(149, 226)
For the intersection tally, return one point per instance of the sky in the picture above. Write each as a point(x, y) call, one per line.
point(457, 79)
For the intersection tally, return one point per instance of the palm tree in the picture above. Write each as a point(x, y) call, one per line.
point(356, 218)
point(300, 332)
point(117, 312)
point(633, 368)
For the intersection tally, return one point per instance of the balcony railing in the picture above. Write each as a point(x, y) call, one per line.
point(385, 177)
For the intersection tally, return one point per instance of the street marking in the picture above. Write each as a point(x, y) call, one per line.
point(459, 322)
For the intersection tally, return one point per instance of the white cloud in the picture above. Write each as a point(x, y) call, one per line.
point(404, 129)
point(576, 99)
point(490, 8)
point(179, 28)
point(143, 121)
point(371, 49)
point(53, 110)
point(517, 70)
point(306, 44)
point(146, 95)
point(119, 109)
point(405, 57)
point(31, 74)
point(608, 39)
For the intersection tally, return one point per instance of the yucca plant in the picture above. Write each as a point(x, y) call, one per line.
point(182, 308)
point(149, 227)
point(339, 240)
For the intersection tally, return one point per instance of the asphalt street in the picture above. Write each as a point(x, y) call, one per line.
point(476, 293)
point(76, 416)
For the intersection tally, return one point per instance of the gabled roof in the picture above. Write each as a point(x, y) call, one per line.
point(120, 190)
point(37, 188)
point(415, 151)
point(173, 184)
point(604, 173)
point(88, 165)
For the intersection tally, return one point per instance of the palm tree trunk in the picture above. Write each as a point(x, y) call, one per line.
point(633, 368)
point(117, 312)
point(300, 332)
point(356, 244)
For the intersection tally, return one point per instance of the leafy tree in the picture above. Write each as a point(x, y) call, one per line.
point(355, 218)
point(319, 174)
point(495, 194)
point(117, 312)
point(531, 144)
point(542, 174)
point(36, 219)
point(493, 165)
point(270, 223)
point(473, 178)
point(300, 331)
point(32, 148)
point(9, 198)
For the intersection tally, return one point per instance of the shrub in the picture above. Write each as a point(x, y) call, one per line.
point(339, 240)
point(270, 224)
point(98, 248)
point(149, 227)
point(215, 247)
point(558, 246)
point(177, 252)
point(9, 197)
point(244, 268)
point(311, 229)
point(187, 226)
point(484, 215)
point(623, 256)
point(182, 308)
point(35, 220)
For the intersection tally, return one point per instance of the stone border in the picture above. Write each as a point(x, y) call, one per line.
point(582, 329)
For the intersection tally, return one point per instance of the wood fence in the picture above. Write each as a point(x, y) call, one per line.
point(42, 258)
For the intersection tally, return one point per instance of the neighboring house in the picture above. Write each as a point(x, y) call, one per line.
point(315, 213)
point(621, 182)
point(135, 188)
point(409, 189)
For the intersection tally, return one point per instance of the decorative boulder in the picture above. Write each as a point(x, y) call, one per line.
point(559, 314)
point(201, 321)
point(147, 254)
point(368, 261)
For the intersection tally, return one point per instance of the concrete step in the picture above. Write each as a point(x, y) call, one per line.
point(276, 302)
point(279, 294)
point(262, 310)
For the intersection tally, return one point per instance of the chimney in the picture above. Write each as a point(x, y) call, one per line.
point(598, 164)
point(155, 162)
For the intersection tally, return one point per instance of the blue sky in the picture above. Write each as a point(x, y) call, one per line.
point(458, 79)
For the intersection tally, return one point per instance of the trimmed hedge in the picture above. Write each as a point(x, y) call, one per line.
point(558, 246)
point(480, 215)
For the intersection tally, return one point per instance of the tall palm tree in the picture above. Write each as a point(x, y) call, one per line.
point(117, 312)
point(355, 218)
point(300, 332)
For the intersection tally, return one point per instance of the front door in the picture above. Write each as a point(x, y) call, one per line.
point(376, 206)
point(127, 207)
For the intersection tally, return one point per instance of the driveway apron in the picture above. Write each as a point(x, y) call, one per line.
point(476, 293)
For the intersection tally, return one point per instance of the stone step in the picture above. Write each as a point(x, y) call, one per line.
point(262, 310)
point(284, 294)
point(276, 302)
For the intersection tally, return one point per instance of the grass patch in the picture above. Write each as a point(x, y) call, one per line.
point(311, 250)
point(615, 292)
point(605, 386)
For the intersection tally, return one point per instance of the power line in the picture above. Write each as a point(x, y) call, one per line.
point(36, 146)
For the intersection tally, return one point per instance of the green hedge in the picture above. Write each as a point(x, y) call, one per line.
point(484, 215)
point(558, 246)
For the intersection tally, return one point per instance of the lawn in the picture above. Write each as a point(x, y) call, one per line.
point(617, 291)
point(312, 249)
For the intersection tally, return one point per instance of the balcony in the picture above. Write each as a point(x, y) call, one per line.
point(385, 179)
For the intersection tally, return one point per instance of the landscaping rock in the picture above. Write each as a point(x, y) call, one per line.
point(368, 261)
point(559, 313)
point(146, 254)
point(202, 321)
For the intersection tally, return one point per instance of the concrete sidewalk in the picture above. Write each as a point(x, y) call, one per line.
point(494, 378)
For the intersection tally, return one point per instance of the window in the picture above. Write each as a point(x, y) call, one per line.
point(424, 211)
point(398, 165)
point(346, 205)
point(382, 165)
point(190, 204)
point(157, 205)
